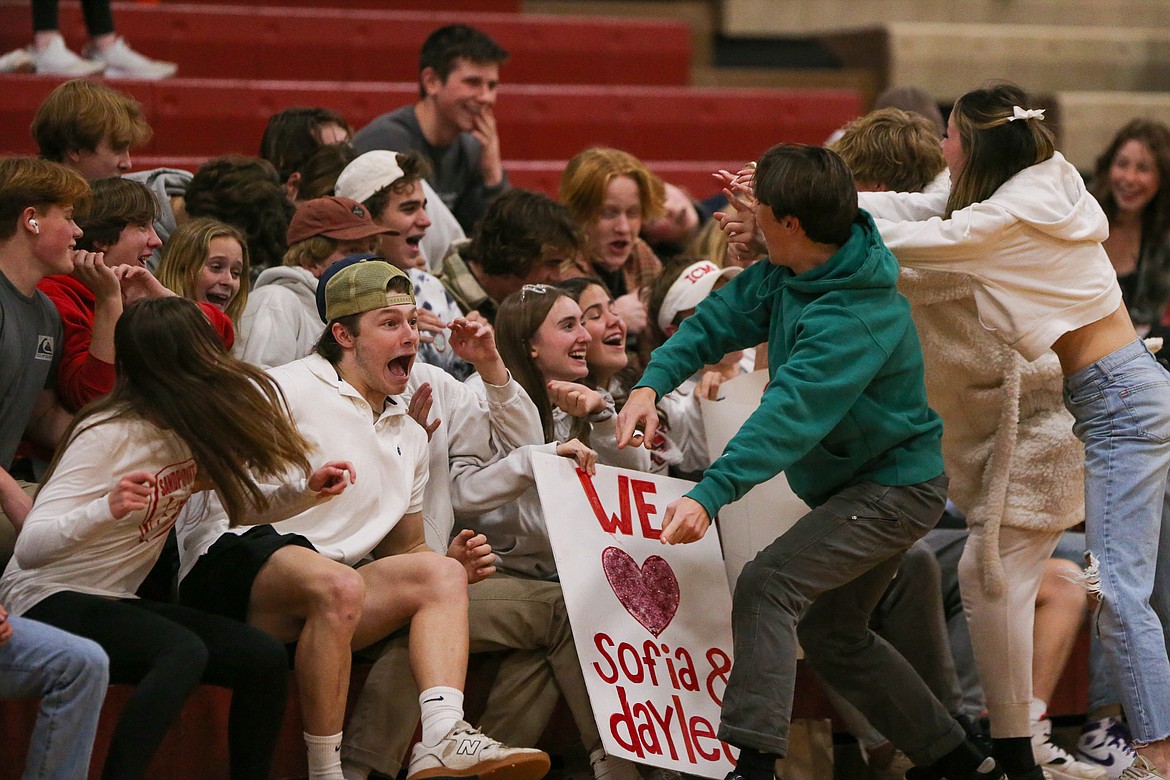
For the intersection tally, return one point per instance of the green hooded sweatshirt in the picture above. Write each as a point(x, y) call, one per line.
point(846, 401)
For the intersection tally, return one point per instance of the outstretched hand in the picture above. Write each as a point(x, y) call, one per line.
point(709, 386)
point(333, 478)
point(474, 553)
point(739, 223)
point(638, 420)
point(473, 339)
point(574, 399)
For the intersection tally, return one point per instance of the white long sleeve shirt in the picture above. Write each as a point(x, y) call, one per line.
point(515, 528)
point(473, 432)
point(71, 540)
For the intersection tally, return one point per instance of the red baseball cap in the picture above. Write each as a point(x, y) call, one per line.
point(333, 217)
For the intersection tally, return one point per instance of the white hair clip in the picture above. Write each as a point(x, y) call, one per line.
point(537, 289)
point(1026, 113)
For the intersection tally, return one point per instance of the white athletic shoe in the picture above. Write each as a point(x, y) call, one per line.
point(56, 60)
point(468, 752)
point(1141, 769)
point(122, 62)
point(1056, 761)
point(16, 61)
point(1106, 743)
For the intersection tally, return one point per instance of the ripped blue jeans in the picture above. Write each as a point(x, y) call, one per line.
point(1122, 408)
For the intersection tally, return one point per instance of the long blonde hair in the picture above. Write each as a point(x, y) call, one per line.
point(186, 252)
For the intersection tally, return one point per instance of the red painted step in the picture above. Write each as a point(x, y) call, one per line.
point(194, 117)
point(245, 42)
point(469, 6)
point(540, 175)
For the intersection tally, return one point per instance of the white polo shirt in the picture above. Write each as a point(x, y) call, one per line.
point(389, 455)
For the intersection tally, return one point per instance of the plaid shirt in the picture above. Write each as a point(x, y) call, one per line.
point(640, 269)
point(462, 284)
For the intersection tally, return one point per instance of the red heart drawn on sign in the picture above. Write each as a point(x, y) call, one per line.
point(648, 592)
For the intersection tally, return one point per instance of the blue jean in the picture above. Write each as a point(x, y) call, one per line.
point(827, 574)
point(1122, 408)
point(69, 675)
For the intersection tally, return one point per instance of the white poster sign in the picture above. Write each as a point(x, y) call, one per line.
point(652, 621)
point(769, 509)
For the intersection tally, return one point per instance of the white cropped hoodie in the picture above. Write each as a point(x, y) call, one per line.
point(1032, 250)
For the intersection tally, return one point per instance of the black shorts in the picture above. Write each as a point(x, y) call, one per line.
point(221, 580)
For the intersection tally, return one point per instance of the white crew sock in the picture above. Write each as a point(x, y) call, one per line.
point(324, 757)
point(441, 707)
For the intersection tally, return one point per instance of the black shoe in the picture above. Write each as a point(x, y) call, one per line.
point(988, 770)
point(977, 732)
point(736, 775)
point(923, 773)
point(1035, 773)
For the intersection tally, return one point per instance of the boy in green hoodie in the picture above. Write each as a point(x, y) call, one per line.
point(845, 416)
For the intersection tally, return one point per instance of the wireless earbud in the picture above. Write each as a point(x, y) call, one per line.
point(35, 226)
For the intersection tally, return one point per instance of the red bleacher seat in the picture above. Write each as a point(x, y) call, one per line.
point(469, 6)
point(348, 44)
point(203, 117)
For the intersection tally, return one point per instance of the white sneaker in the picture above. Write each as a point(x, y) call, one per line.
point(16, 61)
point(56, 60)
point(1106, 743)
point(468, 752)
point(122, 62)
point(1141, 769)
point(1056, 761)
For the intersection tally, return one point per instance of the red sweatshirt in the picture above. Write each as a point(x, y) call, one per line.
point(81, 377)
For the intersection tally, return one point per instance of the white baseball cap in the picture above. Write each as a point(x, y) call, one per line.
point(690, 288)
point(367, 174)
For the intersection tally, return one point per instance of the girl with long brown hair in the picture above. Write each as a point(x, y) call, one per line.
point(1021, 225)
point(183, 417)
point(1132, 184)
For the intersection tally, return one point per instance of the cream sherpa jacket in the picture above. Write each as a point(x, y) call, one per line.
point(1007, 442)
